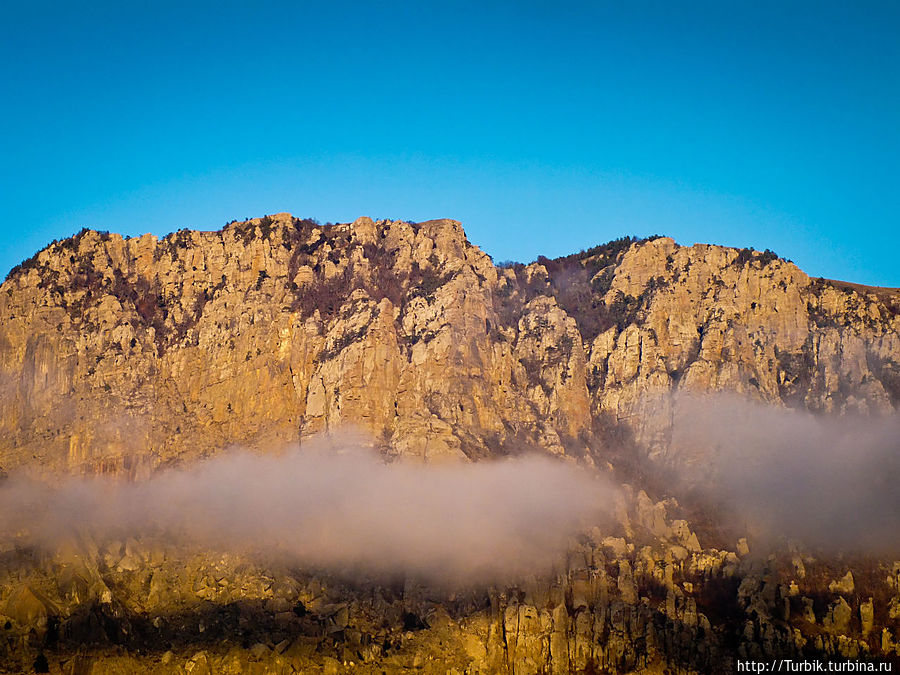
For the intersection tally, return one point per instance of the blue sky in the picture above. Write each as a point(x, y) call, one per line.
point(544, 127)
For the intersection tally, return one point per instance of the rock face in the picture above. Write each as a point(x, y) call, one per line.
point(119, 355)
point(650, 600)
point(123, 356)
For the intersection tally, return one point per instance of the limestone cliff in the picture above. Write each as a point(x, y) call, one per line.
point(125, 355)
point(118, 355)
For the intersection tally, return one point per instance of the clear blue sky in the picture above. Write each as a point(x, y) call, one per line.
point(544, 127)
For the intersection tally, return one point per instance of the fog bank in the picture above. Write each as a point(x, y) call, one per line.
point(332, 505)
point(825, 480)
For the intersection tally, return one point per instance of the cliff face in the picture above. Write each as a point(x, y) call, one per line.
point(118, 355)
point(124, 355)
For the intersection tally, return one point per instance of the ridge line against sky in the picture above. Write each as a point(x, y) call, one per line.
point(543, 129)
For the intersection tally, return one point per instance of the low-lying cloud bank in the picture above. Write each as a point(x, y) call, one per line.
point(824, 480)
point(333, 505)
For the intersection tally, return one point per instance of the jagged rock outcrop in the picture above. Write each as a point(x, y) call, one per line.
point(126, 355)
point(123, 354)
point(640, 601)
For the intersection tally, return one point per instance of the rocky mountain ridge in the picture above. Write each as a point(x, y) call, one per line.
point(125, 354)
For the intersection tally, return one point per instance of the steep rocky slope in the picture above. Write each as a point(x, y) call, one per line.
point(123, 356)
point(118, 354)
point(644, 597)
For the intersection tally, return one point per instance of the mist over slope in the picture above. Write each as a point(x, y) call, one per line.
point(824, 481)
point(333, 505)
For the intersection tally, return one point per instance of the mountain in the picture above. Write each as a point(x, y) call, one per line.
point(124, 356)
point(276, 328)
